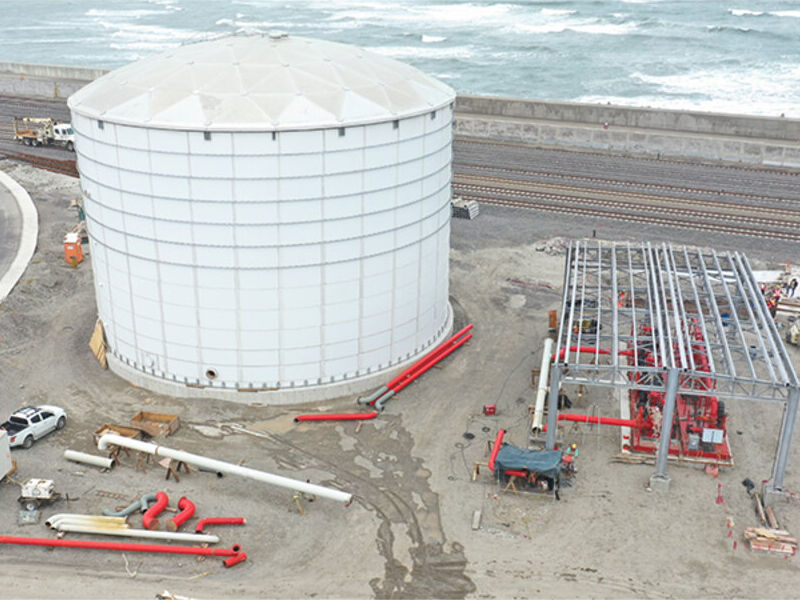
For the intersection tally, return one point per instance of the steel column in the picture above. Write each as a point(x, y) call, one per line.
point(552, 407)
point(670, 395)
point(785, 441)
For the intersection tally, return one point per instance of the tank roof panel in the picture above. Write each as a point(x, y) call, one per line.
point(261, 83)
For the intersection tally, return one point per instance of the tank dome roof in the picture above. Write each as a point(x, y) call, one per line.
point(261, 82)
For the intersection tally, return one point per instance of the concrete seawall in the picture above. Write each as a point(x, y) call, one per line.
point(771, 141)
point(44, 81)
point(669, 133)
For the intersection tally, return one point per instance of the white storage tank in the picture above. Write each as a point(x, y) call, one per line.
point(266, 213)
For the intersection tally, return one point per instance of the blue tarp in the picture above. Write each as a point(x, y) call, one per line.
point(543, 462)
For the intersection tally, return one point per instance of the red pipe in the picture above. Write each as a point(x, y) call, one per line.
point(337, 417)
point(235, 559)
point(498, 441)
point(597, 420)
point(430, 364)
point(428, 357)
point(187, 512)
point(233, 551)
point(218, 521)
point(149, 517)
point(516, 473)
point(583, 349)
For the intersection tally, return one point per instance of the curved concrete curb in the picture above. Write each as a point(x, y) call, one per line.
point(28, 236)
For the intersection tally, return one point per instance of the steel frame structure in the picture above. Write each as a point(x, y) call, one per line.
point(611, 289)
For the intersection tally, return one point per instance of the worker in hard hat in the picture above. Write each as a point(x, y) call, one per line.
point(572, 450)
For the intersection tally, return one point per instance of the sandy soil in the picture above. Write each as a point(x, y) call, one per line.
point(408, 534)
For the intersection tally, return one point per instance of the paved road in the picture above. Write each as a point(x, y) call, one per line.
point(10, 230)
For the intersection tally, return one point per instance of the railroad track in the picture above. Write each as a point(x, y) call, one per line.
point(677, 221)
point(784, 212)
point(64, 167)
point(573, 181)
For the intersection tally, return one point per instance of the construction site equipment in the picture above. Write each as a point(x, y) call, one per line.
point(700, 418)
point(233, 553)
point(536, 468)
point(34, 131)
point(89, 459)
point(202, 523)
point(156, 424)
point(465, 209)
point(36, 493)
point(219, 466)
point(337, 417)
point(73, 251)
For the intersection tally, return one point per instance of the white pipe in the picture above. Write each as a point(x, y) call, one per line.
point(89, 459)
point(93, 520)
point(541, 389)
point(85, 523)
point(199, 538)
point(223, 467)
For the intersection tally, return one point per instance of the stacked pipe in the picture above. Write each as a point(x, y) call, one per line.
point(234, 554)
point(384, 393)
point(379, 398)
point(118, 526)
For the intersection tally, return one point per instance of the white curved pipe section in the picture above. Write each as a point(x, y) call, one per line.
point(199, 538)
point(224, 467)
point(541, 389)
point(89, 459)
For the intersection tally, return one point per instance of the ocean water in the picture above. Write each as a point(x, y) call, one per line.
point(733, 56)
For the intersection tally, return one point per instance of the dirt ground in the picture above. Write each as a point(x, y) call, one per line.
point(408, 534)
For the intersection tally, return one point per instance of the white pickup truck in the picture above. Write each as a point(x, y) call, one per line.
point(29, 423)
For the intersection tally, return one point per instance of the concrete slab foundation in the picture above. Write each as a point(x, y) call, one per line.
point(659, 483)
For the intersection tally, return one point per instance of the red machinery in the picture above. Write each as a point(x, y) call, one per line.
point(699, 429)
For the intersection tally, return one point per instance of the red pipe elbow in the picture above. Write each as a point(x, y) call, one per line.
point(149, 518)
point(187, 512)
point(235, 559)
point(218, 521)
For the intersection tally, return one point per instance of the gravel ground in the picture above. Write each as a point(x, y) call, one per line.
point(408, 534)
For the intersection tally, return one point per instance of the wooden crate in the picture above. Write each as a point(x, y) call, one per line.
point(156, 424)
point(128, 432)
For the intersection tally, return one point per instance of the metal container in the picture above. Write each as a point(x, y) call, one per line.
point(266, 212)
